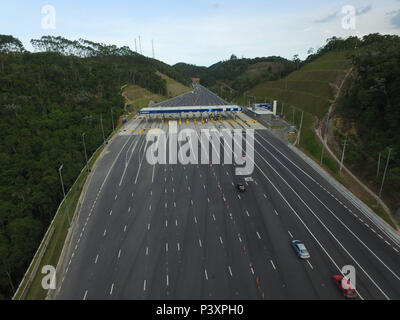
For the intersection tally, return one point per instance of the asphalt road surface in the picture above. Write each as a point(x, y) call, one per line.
point(173, 231)
point(199, 96)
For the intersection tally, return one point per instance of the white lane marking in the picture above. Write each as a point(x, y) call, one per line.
point(290, 234)
point(332, 213)
point(230, 271)
point(148, 226)
point(116, 196)
point(276, 212)
point(95, 261)
point(174, 204)
point(265, 196)
point(299, 218)
point(191, 201)
point(395, 249)
point(144, 285)
point(195, 220)
point(167, 281)
point(273, 264)
point(166, 247)
point(259, 237)
point(84, 297)
point(132, 195)
point(204, 187)
point(239, 197)
point(165, 190)
point(147, 251)
point(125, 228)
point(208, 199)
point(112, 288)
point(179, 248)
point(309, 263)
point(200, 243)
point(320, 221)
point(129, 209)
point(233, 184)
point(166, 223)
point(119, 253)
point(176, 222)
point(205, 272)
point(220, 240)
point(152, 175)
point(166, 205)
point(110, 212)
point(213, 216)
point(189, 188)
point(104, 234)
point(247, 213)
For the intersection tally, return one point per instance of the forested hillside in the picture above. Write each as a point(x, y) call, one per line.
point(47, 100)
point(232, 77)
point(369, 113)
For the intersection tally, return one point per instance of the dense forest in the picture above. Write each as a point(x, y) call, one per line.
point(47, 100)
point(372, 106)
point(238, 74)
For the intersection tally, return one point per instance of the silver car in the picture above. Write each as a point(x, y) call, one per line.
point(300, 249)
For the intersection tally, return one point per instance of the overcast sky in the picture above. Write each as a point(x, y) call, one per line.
point(201, 32)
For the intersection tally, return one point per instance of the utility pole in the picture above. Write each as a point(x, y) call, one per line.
point(84, 147)
point(301, 124)
point(383, 179)
point(379, 164)
point(293, 114)
point(102, 129)
point(112, 119)
point(344, 148)
point(135, 45)
point(65, 199)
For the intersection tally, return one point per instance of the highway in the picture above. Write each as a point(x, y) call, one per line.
point(178, 231)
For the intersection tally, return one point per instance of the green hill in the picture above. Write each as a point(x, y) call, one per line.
point(232, 77)
point(311, 88)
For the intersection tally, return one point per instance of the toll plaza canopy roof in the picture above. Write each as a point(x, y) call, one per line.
point(222, 108)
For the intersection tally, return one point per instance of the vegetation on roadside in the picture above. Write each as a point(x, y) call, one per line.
point(47, 100)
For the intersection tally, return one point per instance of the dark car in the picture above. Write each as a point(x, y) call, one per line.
point(240, 186)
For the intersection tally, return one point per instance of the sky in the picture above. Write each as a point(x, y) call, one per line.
point(201, 32)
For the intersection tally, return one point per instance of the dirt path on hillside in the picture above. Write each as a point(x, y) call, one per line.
point(318, 131)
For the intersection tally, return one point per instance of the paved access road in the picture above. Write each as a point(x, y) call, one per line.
point(199, 96)
point(178, 231)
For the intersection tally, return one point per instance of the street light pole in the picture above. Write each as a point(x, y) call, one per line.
point(379, 164)
point(102, 129)
point(112, 119)
point(383, 179)
point(344, 148)
point(301, 124)
point(65, 198)
point(84, 146)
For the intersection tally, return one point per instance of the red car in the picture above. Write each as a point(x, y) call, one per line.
point(345, 286)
